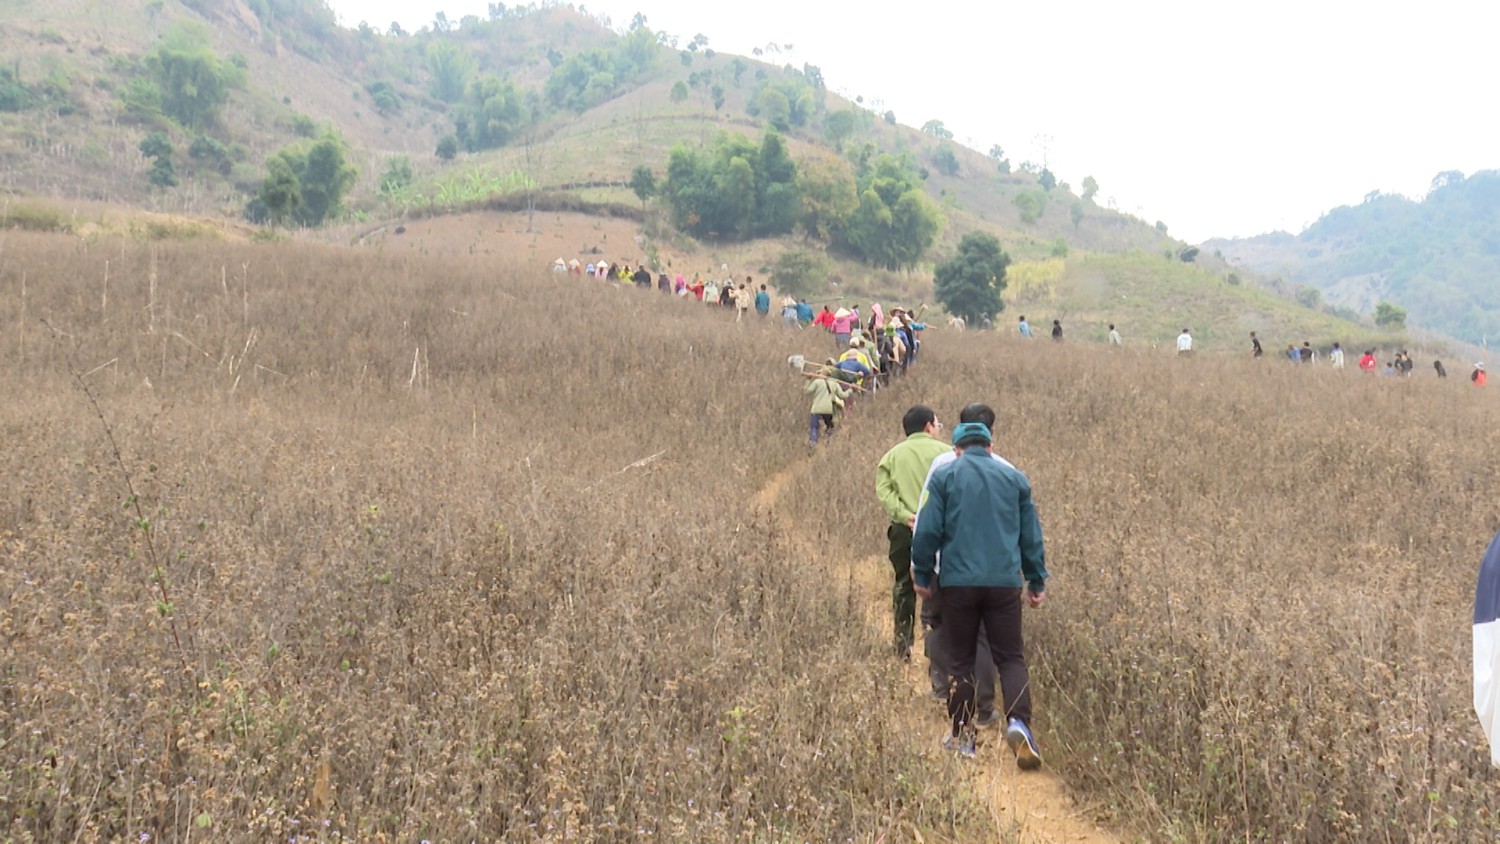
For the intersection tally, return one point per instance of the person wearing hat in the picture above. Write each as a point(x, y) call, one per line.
point(828, 396)
point(979, 515)
point(1477, 376)
point(898, 485)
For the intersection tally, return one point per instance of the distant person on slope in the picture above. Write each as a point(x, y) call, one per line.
point(828, 396)
point(742, 299)
point(1306, 353)
point(1438, 366)
point(825, 319)
point(1367, 362)
point(1336, 357)
point(1184, 343)
point(1477, 377)
point(979, 516)
point(1114, 336)
point(804, 313)
point(1255, 349)
point(1024, 327)
point(1057, 330)
point(710, 292)
point(762, 301)
point(898, 484)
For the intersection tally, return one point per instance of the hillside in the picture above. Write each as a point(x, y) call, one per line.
point(554, 112)
point(1438, 257)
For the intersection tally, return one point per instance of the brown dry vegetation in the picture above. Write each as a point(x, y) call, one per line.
point(419, 594)
point(1260, 616)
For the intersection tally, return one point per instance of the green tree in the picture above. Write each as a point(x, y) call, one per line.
point(799, 273)
point(1046, 180)
point(717, 92)
point(1390, 317)
point(450, 66)
point(193, 84)
point(736, 190)
point(1075, 213)
point(211, 153)
point(970, 283)
point(774, 107)
point(447, 148)
point(838, 126)
point(320, 175)
point(936, 129)
point(162, 173)
point(14, 95)
point(384, 95)
point(679, 92)
point(1310, 297)
point(829, 195)
point(894, 223)
point(491, 114)
point(1090, 188)
point(643, 183)
point(1030, 204)
point(945, 160)
point(281, 192)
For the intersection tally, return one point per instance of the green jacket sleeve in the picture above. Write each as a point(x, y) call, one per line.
point(885, 490)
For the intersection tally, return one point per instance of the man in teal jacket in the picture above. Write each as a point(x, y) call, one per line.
point(978, 514)
point(898, 484)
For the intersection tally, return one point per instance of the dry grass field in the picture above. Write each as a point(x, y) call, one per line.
point(421, 548)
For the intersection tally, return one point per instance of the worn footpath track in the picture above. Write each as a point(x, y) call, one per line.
point(1023, 806)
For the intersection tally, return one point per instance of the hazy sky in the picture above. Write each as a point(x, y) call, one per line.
point(1221, 119)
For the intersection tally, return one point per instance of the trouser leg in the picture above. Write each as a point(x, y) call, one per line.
point(984, 675)
point(961, 617)
point(812, 428)
point(933, 645)
point(903, 595)
point(1002, 622)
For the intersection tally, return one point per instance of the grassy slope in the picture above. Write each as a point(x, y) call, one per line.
point(97, 156)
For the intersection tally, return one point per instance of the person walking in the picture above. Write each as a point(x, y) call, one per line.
point(742, 299)
point(1057, 330)
point(1367, 362)
point(1306, 353)
point(1477, 377)
point(1437, 366)
point(762, 300)
point(1184, 343)
point(1336, 357)
point(933, 642)
point(898, 484)
point(1255, 350)
point(804, 313)
point(1024, 327)
point(979, 515)
point(828, 395)
point(1114, 336)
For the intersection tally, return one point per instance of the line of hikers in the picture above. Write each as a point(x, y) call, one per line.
point(872, 353)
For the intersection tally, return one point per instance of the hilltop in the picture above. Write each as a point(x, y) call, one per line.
point(550, 114)
point(1437, 257)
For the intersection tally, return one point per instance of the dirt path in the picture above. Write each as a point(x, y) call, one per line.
point(1029, 807)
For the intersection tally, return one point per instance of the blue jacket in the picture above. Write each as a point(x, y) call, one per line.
point(804, 312)
point(762, 301)
point(979, 514)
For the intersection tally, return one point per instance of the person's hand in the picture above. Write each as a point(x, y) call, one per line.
point(924, 591)
point(1035, 599)
point(911, 522)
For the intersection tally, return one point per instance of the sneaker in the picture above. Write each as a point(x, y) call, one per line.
point(1028, 755)
point(963, 745)
point(987, 719)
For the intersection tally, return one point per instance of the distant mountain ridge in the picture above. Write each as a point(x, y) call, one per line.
point(1439, 257)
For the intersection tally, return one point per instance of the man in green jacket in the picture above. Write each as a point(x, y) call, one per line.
point(898, 484)
point(978, 514)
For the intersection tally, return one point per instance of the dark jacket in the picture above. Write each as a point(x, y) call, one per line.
point(979, 514)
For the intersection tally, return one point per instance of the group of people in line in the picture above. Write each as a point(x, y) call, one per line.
point(869, 354)
point(1400, 365)
point(964, 535)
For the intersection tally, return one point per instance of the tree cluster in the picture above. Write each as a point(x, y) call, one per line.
point(305, 183)
point(734, 191)
point(587, 79)
point(970, 283)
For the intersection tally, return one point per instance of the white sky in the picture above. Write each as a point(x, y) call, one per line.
point(1221, 119)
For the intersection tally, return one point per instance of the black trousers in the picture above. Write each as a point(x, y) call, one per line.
point(999, 609)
